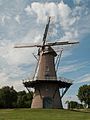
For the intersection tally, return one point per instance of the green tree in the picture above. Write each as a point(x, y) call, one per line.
point(8, 97)
point(84, 94)
point(24, 99)
point(72, 104)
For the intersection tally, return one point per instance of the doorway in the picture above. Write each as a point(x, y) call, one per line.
point(47, 102)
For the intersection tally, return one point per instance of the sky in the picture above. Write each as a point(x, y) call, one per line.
point(23, 21)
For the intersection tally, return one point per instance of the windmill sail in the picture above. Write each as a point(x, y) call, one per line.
point(61, 43)
point(26, 46)
point(47, 44)
point(46, 31)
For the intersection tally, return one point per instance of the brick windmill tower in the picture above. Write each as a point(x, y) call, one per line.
point(46, 84)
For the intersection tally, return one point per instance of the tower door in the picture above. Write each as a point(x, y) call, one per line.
point(47, 102)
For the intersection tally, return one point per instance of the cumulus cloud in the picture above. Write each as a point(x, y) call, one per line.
point(28, 9)
point(6, 81)
point(43, 10)
point(61, 13)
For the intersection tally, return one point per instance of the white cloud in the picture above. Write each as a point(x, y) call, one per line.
point(66, 17)
point(3, 78)
point(12, 76)
point(77, 2)
point(84, 79)
point(72, 67)
point(64, 14)
point(28, 9)
point(15, 56)
point(17, 18)
point(4, 18)
point(6, 81)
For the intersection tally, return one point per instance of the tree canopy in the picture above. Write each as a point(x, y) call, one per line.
point(84, 94)
point(10, 98)
point(74, 105)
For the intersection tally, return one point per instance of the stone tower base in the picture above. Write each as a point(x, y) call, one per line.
point(47, 96)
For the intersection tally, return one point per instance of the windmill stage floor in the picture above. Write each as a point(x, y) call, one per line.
point(43, 114)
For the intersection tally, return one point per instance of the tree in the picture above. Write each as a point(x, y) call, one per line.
point(84, 94)
point(72, 104)
point(24, 99)
point(8, 97)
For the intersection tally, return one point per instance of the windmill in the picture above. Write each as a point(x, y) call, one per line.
point(45, 82)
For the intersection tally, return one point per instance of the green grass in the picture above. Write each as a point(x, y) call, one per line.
point(43, 114)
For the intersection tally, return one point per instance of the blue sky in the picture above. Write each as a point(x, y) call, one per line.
point(23, 21)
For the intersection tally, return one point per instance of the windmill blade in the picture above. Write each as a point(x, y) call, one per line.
point(46, 31)
point(61, 43)
point(26, 46)
point(48, 44)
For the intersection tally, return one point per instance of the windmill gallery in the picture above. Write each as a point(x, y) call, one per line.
point(46, 83)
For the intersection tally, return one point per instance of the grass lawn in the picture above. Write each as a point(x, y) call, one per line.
point(43, 114)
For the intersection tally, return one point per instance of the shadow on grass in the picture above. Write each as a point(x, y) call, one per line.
point(81, 110)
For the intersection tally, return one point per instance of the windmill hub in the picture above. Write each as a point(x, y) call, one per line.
point(49, 50)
